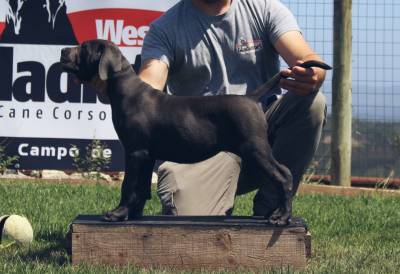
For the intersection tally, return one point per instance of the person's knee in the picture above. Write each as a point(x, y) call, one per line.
point(184, 189)
point(312, 108)
point(317, 109)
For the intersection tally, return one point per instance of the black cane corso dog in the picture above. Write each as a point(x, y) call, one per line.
point(153, 125)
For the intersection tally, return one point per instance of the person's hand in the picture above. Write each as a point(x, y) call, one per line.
point(301, 81)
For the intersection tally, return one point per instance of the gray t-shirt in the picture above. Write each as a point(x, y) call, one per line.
point(228, 54)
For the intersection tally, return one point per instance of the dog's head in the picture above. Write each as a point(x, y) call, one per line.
point(93, 60)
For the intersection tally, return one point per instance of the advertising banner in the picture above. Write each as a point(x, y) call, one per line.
point(43, 112)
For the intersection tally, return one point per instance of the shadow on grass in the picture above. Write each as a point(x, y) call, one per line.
point(51, 249)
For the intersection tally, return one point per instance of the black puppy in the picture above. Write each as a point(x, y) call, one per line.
point(153, 125)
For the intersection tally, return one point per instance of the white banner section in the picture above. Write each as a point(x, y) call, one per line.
point(45, 103)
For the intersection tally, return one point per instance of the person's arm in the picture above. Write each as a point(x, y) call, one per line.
point(295, 50)
point(157, 53)
point(154, 72)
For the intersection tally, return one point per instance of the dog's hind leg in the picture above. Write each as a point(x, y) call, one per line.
point(136, 187)
point(260, 161)
point(282, 215)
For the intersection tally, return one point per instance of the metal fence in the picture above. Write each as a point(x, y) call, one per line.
point(375, 80)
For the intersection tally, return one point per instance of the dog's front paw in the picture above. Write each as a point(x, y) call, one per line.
point(117, 215)
point(280, 217)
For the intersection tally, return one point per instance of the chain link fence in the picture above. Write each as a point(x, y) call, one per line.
point(376, 81)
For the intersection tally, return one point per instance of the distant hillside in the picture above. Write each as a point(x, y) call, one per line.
point(374, 150)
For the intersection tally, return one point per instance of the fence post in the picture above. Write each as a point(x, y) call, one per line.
point(341, 94)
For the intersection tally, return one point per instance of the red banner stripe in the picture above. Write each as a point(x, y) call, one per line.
point(125, 27)
point(2, 27)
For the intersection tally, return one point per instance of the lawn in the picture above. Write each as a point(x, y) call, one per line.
point(350, 235)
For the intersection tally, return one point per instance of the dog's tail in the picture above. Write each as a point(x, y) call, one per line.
point(265, 88)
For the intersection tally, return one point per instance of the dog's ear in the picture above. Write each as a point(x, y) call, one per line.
point(110, 62)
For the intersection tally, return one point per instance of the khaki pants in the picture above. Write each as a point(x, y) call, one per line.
point(209, 187)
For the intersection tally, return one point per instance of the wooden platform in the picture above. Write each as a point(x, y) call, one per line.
point(189, 242)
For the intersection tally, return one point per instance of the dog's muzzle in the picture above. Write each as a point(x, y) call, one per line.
point(69, 58)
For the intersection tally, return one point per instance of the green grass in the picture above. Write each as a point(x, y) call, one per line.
point(350, 235)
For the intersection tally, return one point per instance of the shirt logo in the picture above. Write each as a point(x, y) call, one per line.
point(245, 46)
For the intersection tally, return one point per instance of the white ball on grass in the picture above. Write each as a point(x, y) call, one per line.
point(16, 228)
